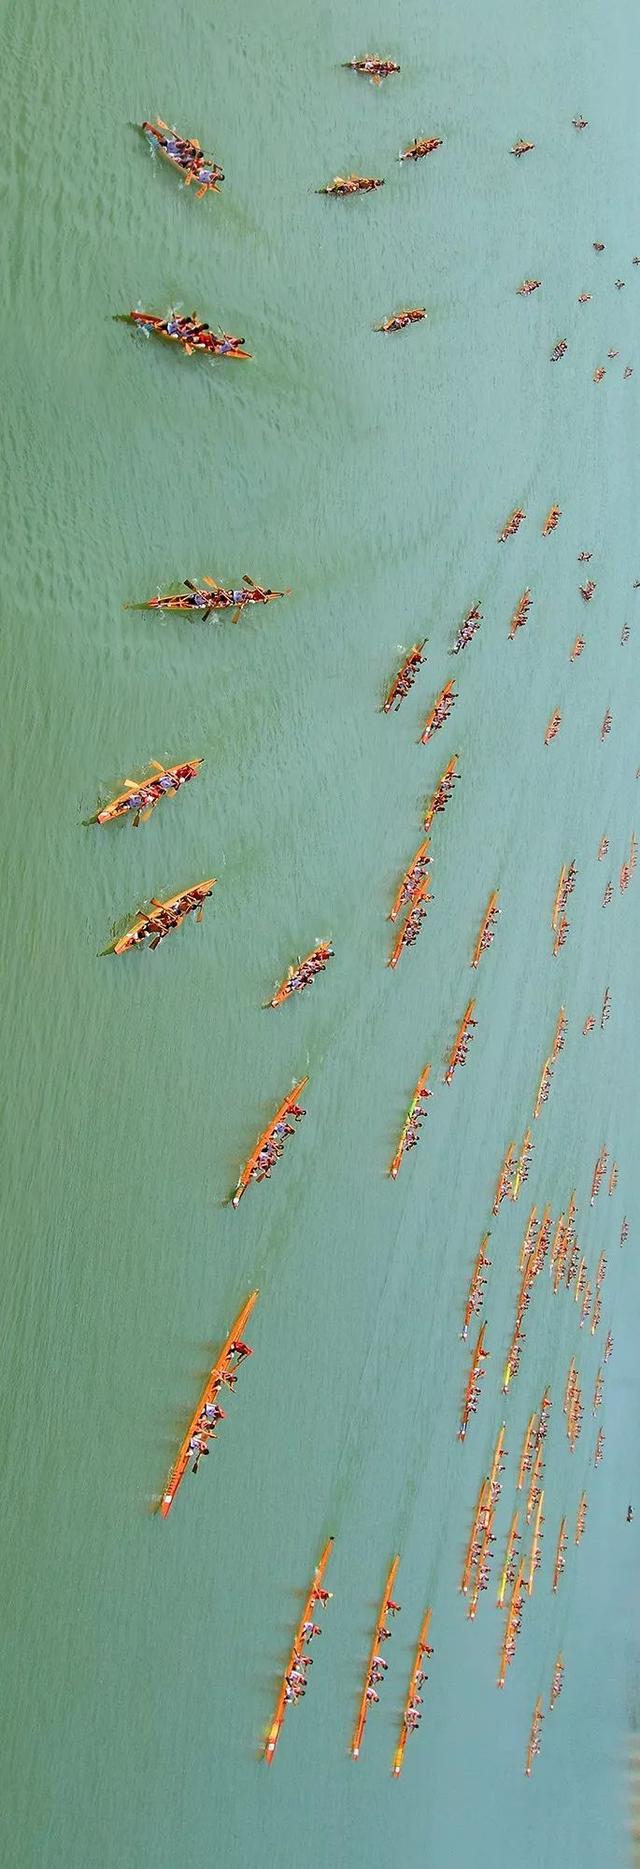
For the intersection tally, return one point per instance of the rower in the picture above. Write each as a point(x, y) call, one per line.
point(393, 1609)
point(239, 1349)
point(308, 1630)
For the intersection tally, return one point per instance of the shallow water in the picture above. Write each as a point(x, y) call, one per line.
point(141, 1659)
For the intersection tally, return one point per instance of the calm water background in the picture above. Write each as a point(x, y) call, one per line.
point(140, 1659)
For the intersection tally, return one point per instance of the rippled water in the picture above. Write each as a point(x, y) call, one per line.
point(140, 1659)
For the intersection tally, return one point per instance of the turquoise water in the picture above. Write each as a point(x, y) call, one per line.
point(140, 1659)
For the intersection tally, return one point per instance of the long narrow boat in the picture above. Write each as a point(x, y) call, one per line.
point(528, 286)
point(601, 1268)
point(599, 1175)
point(164, 917)
point(512, 524)
point(412, 314)
point(576, 648)
point(506, 1574)
point(606, 1008)
point(560, 897)
point(443, 792)
point(480, 1517)
point(598, 1389)
point(482, 1564)
point(543, 1088)
point(559, 1035)
point(557, 1683)
point(597, 1313)
point(521, 613)
point(414, 875)
point(470, 623)
point(473, 1381)
point(184, 153)
point(551, 521)
point(581, 1519)
point(608, 1346)
point(528, 1447)
point(421, 146)
point(544, 1413)
point(536, 1541)
point(533, 1747)
point(413, 1118)
point(409, 1724)
point(553, 726)
point(533, 1496)
point(343, 185)
point(521, 1169)
point(223, 1364)
point(288, 1107)
point(487, 928)
point(521, 147)
point(189, 334)
point(440, 711)
point(459, 1048)
point(599, 1447)
point(372, 67)
point(202, 600)
point(302, 974)
point(312, 1599)
point(528, 1239)
point(411, 927)
point(559, 1562)
point(624, 1231)
point(570, 1385)
point(505, 1178)
point(497, 1464)
point(374, 1654)
point(142, 796)
point(476, 1286)
point(404, 680)
point(514, 1614)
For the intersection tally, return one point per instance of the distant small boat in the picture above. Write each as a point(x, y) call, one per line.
point(520, 148)
point(580, 123)
point(421, 146)
point(559, 350)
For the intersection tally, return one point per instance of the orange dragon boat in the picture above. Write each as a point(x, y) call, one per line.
point(372, 67)
point(528, 286)
point(557, 1683)
point(301, 976)
point(142, 796)
point(439, 712)
point(413, 314)
point(505, 1179)
point(551, 521)
point(570, 1384)
point(507, 1575)
point(586, 1305)
point(597, 1313)
point(581, 1279)
point(411, 1711)
point(476, 1287)
point(411, 927)
point(404, 680)
point(535, 1491)
point(190, 334)
point(576, 648)
point(599, 1175)
point(534, 1559)
point(497, 1465)
point(421, 146)
point(598, 1389)
point(460, 1046)
point(374, 1655)
point(414, 876)
point(512, 524)
point(163, 917)
point(559, 1035)
point(413, 1119)
point(522, 1169)
point(343, 185)
point(560, 1557)
point(201, 600)
point(543, 1087)
point(185, 154)
point(487, 928)
point(474, 1378)
point(581, 1519)
point(528, 1239)
point(199, 1426)
point(560, 897)
point(521, 613)
point(529, 1445)
point(314, 1599)
point(521, 148)
point(513, 1624)
point(481, 1581)
point(533, 1747)
point(255, 1166)
point(481, 1518)
point(443, 792)
point(553, 727)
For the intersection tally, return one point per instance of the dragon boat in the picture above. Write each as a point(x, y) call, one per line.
point(462, 1040)
point(372, 67)
point(421, 146)
point(315, 1598)
point(200, 1425)
point(190, 334)
point(412, 1122)
point(163, 917)
point(185, 154)
point(488, 927)
point(404, 680)
point(440, 711)
point(415, 874)
point(398, 321)
point(141, 796)
point(301, 975)
point(270, 1144)
point(201, 600)
point(512, 524)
